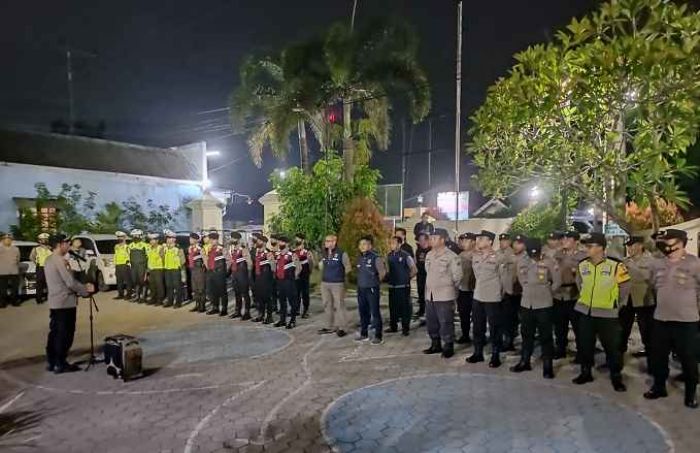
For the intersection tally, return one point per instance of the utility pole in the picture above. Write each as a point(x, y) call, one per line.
point(430, 153)
point(69, 79)
point(354, 11)
point(458, 114)
point(403, 154)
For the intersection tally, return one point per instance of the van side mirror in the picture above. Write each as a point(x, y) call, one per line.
point(89, 253)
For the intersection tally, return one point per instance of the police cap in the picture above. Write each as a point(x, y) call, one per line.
point(235, 235)
point(596, 239)
point(572, 234)
point(487, 234)
point(441, 232)
point(301, 236)
point(43, 236)
point(635, 240)
point(672, 233)
point(520, 238)
point(504, 237)
point(195, 236)
point(213, 235)
point(533, 246)
point(56, 239)
point(283, 238)
point(556, 235)
point(467, 236)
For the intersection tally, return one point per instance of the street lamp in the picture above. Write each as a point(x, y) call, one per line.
point(213, 153)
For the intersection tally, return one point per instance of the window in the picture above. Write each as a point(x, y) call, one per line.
point(106, 247)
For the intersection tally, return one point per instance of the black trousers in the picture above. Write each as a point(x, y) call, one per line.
point(538, 321)
point(420, 281)
point(173, 287)
point(492, 313)
point(511, 308)
point(156, 286)
point(368, 306)
point(303, 292)
point(608, 331)
point(61, 333)
point(138, 278)
point(216, 285)
point(41, 288)
point(198, 278)
point(645, 319)
point(400, 308)
point(262, 292)
point(289, 299)
point(464, 308)
point(681, 337)
point(123, 274)
point(440, 320)
point(9, 285)
point(241, 289)
point(564, 314)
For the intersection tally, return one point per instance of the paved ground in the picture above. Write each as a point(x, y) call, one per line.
point(216, 385)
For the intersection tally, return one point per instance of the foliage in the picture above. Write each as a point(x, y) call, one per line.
point(362, 217)
point(28, 227)
point(608, 110)
point(313, 204)
point(537, 221)
point(640, 217)
point(109, 219)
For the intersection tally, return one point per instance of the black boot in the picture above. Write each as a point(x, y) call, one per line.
point(213, 311)
point(477, 356)
point(523, 365)
point(560, 354)
point(656, 392)
point(305, 314)
point(435, 347)
point(584, 377)
point(246, 317)
point(236, 314)
point(547, 369)
point(449, 350)
point(495, 361)
point(291, 324)
point(691, 400)
point(464, 339)
point(509, 346)
point(616, 379)
point(280, 323)
point(268, 319)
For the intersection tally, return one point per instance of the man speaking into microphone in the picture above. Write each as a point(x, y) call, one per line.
point(64, 290)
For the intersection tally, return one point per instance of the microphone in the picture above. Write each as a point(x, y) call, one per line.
point(76, 256)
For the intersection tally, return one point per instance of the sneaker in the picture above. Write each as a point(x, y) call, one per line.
point(377, 341)
point(360, 337)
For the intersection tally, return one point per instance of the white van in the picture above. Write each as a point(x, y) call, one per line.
point(99, 249)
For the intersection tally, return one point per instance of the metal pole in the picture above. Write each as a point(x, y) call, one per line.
point(458, 113)
point(430, 153)
point(403, 153)
point(354, 10)
point(69, 78)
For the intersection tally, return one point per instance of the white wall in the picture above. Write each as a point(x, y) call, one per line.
point(18, 180)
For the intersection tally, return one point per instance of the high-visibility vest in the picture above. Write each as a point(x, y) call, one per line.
point(172, 258)
point(155, 260)
point(600, 283)
point(42, 252)
point(121, 254)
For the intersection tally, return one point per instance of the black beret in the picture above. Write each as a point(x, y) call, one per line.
point(441, 232)
point(520, 238)
point(572, 234)
point(283, 238)
point(470, 236)
point(56, 239)
point(533, 246)
point(213, 235)
point(635, 240)
point(504, 237)
point(235, 235)
point(486, 233)
point(195, 236)
point(555, 235)
point(596, 238)
point(260, 237)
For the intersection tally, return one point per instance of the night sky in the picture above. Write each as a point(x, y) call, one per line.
point(160, 66)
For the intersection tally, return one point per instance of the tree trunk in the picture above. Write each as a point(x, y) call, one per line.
point(348, 144)
point(655, 218)
point(564, 209)
point(303, 147)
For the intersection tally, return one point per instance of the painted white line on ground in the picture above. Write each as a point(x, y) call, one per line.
point(6, 406)
point(189, 445)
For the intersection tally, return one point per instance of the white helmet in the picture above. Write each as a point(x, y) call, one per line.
point(136, 232)
point(153, 236)
point(170, 234)
point(120, 234)
point(43, 236)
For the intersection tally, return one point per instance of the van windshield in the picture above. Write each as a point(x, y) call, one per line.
point(106, 246)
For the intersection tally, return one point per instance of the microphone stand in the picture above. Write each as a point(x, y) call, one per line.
point(92, 303)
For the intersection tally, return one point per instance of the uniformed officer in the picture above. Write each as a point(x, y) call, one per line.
point(512, 292)
point(539, 277)
point(138, 262)
point(641, 303)
point(603, 282)
point(217, 271)
point(274, 249)
point(370, 273)
point(335, 266)
point(263, 279)
point(38, 256)
point(156, 280)
point(195, 264)
point(173, 261)
point(444, 270)
point(488, 293)
point(405, 246)
point(466, 286)
point(422, 249)
point(287, 270)
point(554, 243)
point(240, 275)
point(401, 269)
point(568, 256)
point(676, 279)
point(121, 266)
point(424, 226)
point(306, 261)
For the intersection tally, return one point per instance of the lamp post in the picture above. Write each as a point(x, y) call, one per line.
point(458, 114)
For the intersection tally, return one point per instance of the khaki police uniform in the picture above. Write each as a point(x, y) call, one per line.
point(565, 299)
point(487, 307)
point(444, 273)
point(465, 297)
point(641, 302)
point(512, 293)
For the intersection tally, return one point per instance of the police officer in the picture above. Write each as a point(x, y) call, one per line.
point(554, 243)
point(121, 266)
point(38, 256)
point(444, 274)
point(263, 278)
point(274, 250)
point(335, 266)
point(370, 272)
point(424, 226)
point(156, 281)
point(539, 277)
point(405, 246)
point(138, 262)
point(466, 286)
point(603, 283)
point(512, 292)
point(287, 270)
point(676, 279)
point(240, 274)
point(641, 303)
point(401, 269)
point(9, 271)
point(173, 261)
point(567, 256)
point(422, 249)
point(195, 264)
point(217, 270)
point(306, 261)
point(488, 292)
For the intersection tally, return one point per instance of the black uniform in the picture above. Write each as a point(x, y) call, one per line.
point(216, 280)
point(263, 285)
point(421, 253)
point(240, 275)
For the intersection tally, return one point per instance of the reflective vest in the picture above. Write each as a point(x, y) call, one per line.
point(42, 252)
point(600, 288)
point(137, 252)
point(171, 258)
point(121, 254)
point(155, 260)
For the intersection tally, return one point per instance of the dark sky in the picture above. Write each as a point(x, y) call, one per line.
point(159, 64)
